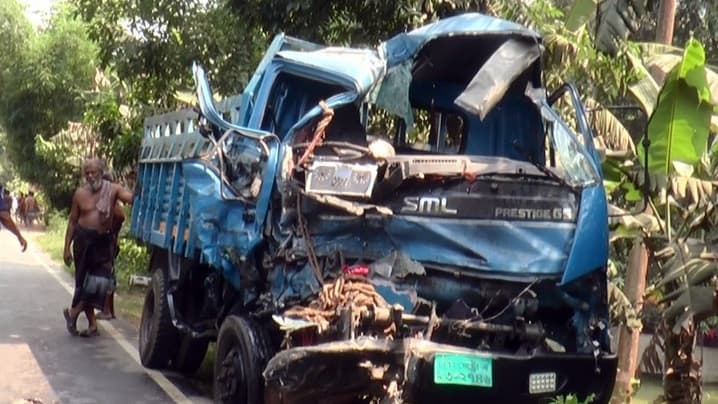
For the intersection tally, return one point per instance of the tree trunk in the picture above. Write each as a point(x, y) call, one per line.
point(664, 31)
point(635, 286)
point(666, 20)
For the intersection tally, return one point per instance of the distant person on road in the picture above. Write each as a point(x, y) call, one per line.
point(21, 208)
point(118, 217)
point(15, 205)
point(6, 219)
point(89, 234)
point(32, 209)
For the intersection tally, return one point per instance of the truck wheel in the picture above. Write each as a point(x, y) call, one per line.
point(243, 350)
point(190, 354)
point(158, 337)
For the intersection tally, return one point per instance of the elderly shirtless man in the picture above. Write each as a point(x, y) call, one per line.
point(89, 231)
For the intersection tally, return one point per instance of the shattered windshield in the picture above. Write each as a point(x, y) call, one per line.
point(444, 133)
point(573, 160)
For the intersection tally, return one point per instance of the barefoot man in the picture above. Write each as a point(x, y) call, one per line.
point(89, 231)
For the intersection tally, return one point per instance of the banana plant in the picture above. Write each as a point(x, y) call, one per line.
point(665, 58)
point(682, 171)
point(678, 132)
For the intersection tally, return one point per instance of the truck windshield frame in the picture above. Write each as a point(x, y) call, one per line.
point(578, 168)
point(574, 163)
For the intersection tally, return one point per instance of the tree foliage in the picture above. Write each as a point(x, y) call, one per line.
point(151, 45)
point(43, 87)
point(358, 22)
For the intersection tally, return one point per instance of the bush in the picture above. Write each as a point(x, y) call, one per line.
point(133, 259)
point(53, 241)
point(572, 399)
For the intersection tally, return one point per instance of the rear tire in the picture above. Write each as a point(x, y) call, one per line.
point(243, 349)
point(190, 354)
point(158, 337)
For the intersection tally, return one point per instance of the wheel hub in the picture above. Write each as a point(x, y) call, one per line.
point(230, 375)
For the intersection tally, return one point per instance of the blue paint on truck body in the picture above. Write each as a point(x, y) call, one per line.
point(520, 248)
point(470, 204)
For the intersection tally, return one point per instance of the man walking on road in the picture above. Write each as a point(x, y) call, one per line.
point(89, 232)
point(6, 219)
point(31, 209)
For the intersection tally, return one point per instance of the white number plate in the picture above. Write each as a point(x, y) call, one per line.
point(341, 179)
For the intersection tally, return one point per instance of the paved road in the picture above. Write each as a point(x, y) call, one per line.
point(39, 359)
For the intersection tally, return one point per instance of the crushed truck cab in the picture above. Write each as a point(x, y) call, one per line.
point(413, 222)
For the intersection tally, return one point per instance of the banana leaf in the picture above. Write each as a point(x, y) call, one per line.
point(679, 126)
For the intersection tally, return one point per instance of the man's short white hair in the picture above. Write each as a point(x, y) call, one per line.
point(95, 161)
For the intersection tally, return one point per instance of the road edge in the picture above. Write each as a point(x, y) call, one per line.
point(172, 391)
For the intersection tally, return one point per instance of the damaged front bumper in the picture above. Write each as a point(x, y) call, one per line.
point(415, 370)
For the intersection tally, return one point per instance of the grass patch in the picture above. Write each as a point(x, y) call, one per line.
point(52, 241)
point(128, 304)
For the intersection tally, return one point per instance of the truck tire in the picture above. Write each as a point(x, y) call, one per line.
point(243, 349)
point(158, 337)
point(190, 354)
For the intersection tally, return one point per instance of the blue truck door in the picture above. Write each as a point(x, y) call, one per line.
point(589, 251)
point(229, 192)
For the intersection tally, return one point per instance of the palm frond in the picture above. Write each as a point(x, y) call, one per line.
point(691, 192)
point(609, 129)
point(642, 221)
point(687, 283)
point(621, 309)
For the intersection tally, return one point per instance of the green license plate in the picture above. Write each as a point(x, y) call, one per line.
point(467, 370)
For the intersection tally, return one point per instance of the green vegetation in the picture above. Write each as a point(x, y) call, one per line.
point(572, 399)
point(82, 86)
point(53, 239)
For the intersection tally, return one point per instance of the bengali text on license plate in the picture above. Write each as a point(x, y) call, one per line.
point(467, 370)
point(341, 179)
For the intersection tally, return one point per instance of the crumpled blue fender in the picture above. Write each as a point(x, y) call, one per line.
point(589, 251)
point(221, 233)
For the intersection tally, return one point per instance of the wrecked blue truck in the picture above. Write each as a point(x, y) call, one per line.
point(408, 223)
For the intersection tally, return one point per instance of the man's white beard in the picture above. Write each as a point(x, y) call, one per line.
point(95, 186)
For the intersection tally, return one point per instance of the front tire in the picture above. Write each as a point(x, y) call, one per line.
point(243, 349)
point(158, 337)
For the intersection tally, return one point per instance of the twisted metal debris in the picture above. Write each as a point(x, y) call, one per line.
point(347, 291)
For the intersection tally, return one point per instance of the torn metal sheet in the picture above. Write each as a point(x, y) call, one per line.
point(219, 228)
point(355, 208)
point(397, 264)
point(362, 66)
point(495, 77)
point(290, 284)
point(292, 324)
point(405, 46)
